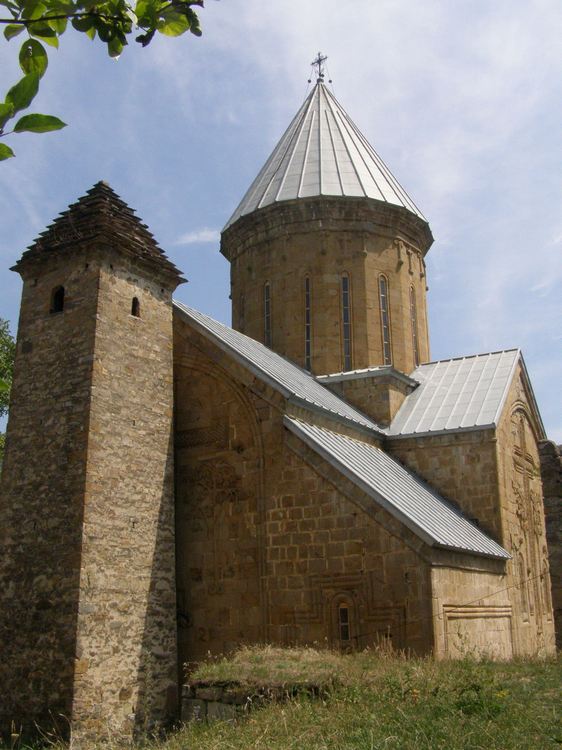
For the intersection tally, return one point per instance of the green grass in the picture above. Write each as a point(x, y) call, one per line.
point(390, 703)
point(374, 701)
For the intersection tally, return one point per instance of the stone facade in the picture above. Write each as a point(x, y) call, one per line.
point(493, 475)
point(378, 392)
point(323, 239)
point(300, 539)
point(156, 506)
point(292, 540)
point(551, 473)
point(87, 615)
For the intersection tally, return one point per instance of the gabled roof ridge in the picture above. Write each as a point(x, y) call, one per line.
point(296, 384)
point(467, 356)
point(457, 395)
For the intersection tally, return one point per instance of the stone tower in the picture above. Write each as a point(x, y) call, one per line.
point(87, 588)
point(327, 251)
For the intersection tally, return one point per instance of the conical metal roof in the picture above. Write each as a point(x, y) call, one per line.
point(322, 152)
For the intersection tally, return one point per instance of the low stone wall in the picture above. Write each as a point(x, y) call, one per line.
point(227, 701)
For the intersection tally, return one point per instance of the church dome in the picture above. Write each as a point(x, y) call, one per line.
point(323, 153)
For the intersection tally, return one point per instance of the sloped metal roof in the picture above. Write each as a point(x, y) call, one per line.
point(401, 493)
point(322, 152)
point(379, 371)
point(294, 383)
point(457, 394)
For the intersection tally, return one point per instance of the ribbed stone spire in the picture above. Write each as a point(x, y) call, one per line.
point(322, 152)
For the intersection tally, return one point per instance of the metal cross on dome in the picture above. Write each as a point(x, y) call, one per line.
point(318, 63)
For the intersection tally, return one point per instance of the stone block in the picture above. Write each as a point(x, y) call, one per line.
point(211, 693)
point(218, 711)
point(193, 710)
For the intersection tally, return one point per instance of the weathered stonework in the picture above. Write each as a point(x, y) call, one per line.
point(317, 539)
point(551, 474)
point(155, 508)
point(493, 475)
point(378, 392)
point(323, 238)
point(87, 586)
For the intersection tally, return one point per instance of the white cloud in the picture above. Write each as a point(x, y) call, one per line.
point(198, 236)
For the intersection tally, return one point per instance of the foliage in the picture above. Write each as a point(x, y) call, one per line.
point(381, 701)
point(7, 354)
point(111, 21)
point(392, 702)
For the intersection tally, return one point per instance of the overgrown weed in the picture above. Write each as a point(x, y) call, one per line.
point(381, 702)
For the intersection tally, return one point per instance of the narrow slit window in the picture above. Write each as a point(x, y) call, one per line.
point(135, 307)
point(307, 325)
point(343, 624)
point(346, 322)
point(414, 321)
point(57, 299)
point(267, 314)
point(385, 320)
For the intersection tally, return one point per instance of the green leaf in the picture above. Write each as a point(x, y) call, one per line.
point(12, 7)
point(21, 95)
point(173, 24)
point(6, 111)
point(33, 57)
point(115, 45)
point(43, 31)
point(33, 9)
point(13, 30)
point(57, 24)
point(83, 24)
point(194, 26)
point(5, 153)
point(38, 124)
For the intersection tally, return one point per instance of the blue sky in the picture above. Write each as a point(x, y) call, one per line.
point(463, 101)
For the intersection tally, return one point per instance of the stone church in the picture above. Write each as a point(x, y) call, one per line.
point(173, 487)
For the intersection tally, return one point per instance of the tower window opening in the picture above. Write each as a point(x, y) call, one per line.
point(267, 314)
point(414, 322)
point(307, 325)
point(346, 322)
point(385, 320)
point(135, 307)
point(57, 299)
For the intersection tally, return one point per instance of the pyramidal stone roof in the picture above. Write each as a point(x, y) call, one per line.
point(322, 152)
point(102, 214)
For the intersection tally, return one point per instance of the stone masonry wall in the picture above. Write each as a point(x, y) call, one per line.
point(42, 495)
point(322, 239)
point(472, 614)
point(379, 397)
point(219, 507)
point(523, 522)
point(462, 467)
point(125, 671)
point(270, 546)
point(551, 474)
point(324, 550)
